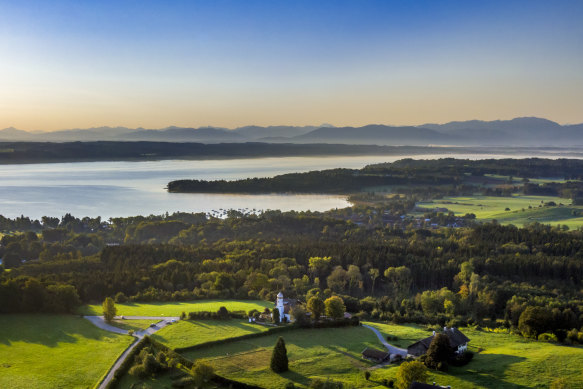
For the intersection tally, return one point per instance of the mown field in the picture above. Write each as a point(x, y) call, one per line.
point(55, 351)
point(189, 332)
point(505, 361)
point(489, 208)
point(176, 308)
point(312, 353)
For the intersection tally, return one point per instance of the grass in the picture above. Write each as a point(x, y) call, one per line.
point(176, 308)
point(135, 325)
point(189, 333)
point(55, 351)
point(501, 360)
point(313, 353)
point(506, 361)
point(489, 208)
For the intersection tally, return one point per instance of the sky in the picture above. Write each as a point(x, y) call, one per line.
point(153, 64)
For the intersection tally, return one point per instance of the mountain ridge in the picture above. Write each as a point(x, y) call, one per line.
point(530, 131)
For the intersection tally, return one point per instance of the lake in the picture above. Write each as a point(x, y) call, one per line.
point(110, 189)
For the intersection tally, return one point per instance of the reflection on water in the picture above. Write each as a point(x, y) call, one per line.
point(110, 189)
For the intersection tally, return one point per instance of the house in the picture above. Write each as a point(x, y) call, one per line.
point(284, 306)
point(457, 341)
point(372, 354)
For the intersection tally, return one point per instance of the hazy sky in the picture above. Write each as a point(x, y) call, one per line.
point(67, 64)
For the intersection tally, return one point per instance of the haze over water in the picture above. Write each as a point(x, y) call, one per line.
point(111, 189)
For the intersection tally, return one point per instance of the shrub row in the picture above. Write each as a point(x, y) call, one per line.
point(127, 363)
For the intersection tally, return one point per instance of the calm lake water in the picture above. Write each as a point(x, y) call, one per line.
point(110, 189)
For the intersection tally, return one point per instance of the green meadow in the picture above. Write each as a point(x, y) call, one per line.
point(189, 333)
point(313, 353)
point(500, 361)
point(177, 307)
point(55, 351)
point(519, 213)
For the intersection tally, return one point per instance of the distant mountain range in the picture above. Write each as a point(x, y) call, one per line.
point(527, 131)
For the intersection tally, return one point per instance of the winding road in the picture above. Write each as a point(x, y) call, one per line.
point(99, 321)
point(392, 349)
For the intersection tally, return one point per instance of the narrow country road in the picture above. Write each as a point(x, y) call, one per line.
point(392, 349)
point(99, 321)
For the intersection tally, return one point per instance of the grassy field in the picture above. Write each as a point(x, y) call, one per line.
point(55, 351)
point(176, 308)
point(506, 361)
point(135, 325)
point(189, 333)
point(501, 360)
point(489, 208)
point(313, 353)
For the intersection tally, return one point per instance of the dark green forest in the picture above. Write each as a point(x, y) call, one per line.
point(484, 274)
point(423, 178)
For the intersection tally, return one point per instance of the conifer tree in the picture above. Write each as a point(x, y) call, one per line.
point(279, 362)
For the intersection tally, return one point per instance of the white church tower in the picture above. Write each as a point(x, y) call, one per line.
point(279, 305)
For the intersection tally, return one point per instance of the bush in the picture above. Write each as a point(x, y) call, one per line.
point(138, 371)
point(223, 313)
point(203, 372)
point(320, 384)
point(462, 359)
point(184, 382)
point(409, 372)
point(367, 375)
point(120, 298)
point(548, 337)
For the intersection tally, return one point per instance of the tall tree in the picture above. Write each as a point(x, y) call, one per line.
point(316, 307)
point(439, 351)
point(279, 361)
point(335, 307)
point(374, 274)
point(275, 315)
point(109, 309)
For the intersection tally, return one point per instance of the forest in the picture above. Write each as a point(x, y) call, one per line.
point(484, 273)
point(425, 179)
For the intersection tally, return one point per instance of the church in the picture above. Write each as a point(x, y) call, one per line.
point(284, 306)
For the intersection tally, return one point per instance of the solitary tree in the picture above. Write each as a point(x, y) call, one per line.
point(335, 307)
point(374, 274)
point(279, 362)
point(316, 307)
point(409, 372)
point(109, 309)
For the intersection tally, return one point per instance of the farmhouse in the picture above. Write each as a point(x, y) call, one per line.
point(284, 306)
point(457, 341)
point(372, 354)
